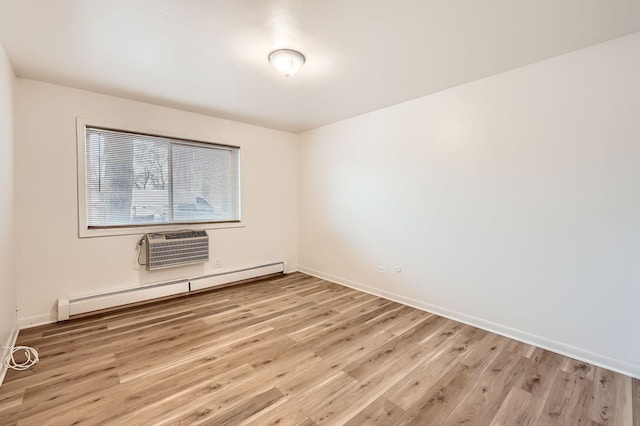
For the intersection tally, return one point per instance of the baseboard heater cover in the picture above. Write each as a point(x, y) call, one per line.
point(74, 305)
point(214, 280)
point(68, 306)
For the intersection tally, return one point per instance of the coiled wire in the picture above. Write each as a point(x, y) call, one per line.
point(30, 354)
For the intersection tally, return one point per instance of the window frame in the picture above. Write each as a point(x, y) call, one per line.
point(83, 229)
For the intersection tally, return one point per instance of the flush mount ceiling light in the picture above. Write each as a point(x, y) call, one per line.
point(287, 61)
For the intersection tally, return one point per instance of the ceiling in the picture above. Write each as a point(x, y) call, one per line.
point(210, 56)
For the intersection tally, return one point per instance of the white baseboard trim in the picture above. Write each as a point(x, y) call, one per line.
point(581, 354)
point(36, 320)
point(11, 341)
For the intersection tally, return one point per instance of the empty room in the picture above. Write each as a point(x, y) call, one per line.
point(306, 212)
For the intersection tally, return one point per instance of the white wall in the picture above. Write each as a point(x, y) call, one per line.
point(52, 261)
point(7, 282)
point(512, 203)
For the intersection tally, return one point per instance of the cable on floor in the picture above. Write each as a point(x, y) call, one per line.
point(30, 354)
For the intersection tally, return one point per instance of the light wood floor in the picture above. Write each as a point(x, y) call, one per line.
point(296, 350)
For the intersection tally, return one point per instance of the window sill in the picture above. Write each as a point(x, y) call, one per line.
point(110, 232)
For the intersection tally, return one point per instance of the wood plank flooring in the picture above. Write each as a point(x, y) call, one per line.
point(297, 350)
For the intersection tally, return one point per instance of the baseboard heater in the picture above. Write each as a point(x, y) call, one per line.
point(74, 305)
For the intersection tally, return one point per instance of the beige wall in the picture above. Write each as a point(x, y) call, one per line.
point(52, 261)
point(7, 277)
point(512, 203)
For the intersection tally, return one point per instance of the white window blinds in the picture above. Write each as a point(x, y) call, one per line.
point(135, 179)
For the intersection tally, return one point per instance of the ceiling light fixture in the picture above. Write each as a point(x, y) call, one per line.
point(287, 61)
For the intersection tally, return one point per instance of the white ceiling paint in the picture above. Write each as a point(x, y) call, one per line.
point(210, 56)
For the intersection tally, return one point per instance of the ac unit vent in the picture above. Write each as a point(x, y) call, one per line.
point(176, 248)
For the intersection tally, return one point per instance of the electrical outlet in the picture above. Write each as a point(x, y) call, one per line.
point(382, 269)
point(217, 263)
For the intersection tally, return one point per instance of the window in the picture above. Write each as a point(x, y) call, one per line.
point(135, 179)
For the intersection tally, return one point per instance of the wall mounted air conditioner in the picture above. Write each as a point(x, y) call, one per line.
point(167, 249)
